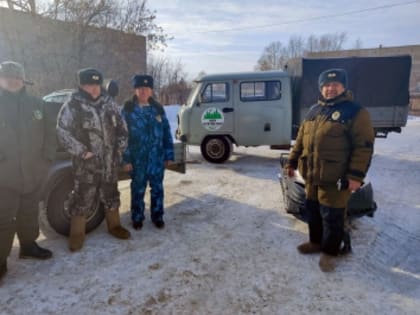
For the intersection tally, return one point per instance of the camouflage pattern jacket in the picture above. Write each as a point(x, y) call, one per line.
point(86, 125)
point(27, 140)
point(334, 141)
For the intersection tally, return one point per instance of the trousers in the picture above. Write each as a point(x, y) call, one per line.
point(18, 214)
point(326, 210)
point(139, 182)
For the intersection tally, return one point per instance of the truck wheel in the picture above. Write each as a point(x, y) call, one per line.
point(216, 149)
point(58, 213)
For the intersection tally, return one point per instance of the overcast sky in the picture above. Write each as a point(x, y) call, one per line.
point(226, 36)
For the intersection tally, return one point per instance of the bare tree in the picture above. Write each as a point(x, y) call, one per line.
point(129, 16)
point(275, 56)
point(170, 85)
point(52, 51)
point(326, 42)
point(331, 42)
point(22, 5)
point(133, 16)
point(272, 57)
point(155, 68)
point(296, 47)
point(175, 93)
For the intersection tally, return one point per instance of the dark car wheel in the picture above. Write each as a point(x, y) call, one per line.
point(216, 149)
point(58, 213)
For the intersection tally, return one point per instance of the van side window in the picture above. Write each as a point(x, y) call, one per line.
point(215, 92)
point(260, 91)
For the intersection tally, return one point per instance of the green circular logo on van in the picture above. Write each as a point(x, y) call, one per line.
point(212, 119)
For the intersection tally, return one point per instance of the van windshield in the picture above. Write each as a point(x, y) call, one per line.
point(193, 94)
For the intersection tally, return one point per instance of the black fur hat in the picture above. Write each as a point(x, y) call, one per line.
point(90, 76)
point(333, 75)
point(142, 81)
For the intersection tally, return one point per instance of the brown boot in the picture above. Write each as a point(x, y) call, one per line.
point(327, 262)
point(309, 248)
point(77, 232)
point(114, 225)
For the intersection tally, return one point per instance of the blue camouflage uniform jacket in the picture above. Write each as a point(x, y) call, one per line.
point(150, 141)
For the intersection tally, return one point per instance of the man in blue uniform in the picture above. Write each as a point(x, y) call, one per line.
point(150, 149)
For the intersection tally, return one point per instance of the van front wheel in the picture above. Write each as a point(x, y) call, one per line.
point(216, 149)
point(58, 212)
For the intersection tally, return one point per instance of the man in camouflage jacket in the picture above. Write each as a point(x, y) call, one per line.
point(92, 130)
point(27, 145)
point(334, 145)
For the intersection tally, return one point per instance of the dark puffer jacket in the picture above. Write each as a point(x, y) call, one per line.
point(27, 140)
point(334, 141)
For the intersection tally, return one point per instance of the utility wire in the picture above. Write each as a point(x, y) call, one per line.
point(310, 19)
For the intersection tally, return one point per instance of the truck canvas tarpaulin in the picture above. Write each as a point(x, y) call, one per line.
point(381, 84)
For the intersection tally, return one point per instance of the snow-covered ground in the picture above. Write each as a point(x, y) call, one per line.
point(229, 248)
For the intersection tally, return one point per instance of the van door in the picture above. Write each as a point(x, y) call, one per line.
point(213, 113)
point(263, 113)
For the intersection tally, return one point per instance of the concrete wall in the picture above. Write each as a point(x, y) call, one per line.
point(53, 51)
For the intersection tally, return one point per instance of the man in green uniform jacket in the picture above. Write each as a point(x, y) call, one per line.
point(333, 151)
point(27, 144)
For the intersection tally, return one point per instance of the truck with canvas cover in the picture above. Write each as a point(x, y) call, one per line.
point(381, 84)
point(266, 108)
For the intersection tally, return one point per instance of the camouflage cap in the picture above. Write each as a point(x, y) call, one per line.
point(11, 69)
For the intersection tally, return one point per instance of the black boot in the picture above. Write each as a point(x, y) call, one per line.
point(3, 270)
point(33, 250)
point(137, 225)
point(159, 223)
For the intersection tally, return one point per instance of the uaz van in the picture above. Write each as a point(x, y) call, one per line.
point(245, 109)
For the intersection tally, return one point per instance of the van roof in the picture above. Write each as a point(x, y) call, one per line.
point(243, 76)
